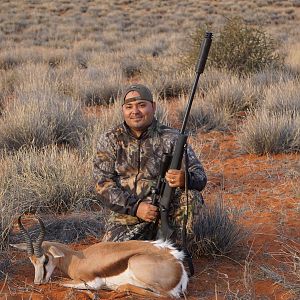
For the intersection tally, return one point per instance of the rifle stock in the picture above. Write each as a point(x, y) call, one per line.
point(166, 231)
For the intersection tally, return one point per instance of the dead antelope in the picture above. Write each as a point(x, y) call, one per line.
point(149, 268)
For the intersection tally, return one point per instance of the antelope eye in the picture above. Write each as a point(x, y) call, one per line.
point(46, 260)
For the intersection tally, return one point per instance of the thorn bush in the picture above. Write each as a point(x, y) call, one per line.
point(238, 47)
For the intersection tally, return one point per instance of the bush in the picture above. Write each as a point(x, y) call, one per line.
point(166, 79)
point(66, 229)
point(216, 109)
point(216, 232)
point(266, 132)
point(283, 98)
point(41, 119)
point(238, 47)
point(51, 180)
point(203, 115)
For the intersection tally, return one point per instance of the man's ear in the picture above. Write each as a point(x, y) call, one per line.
point(154, 105)
point(21, 246)
point(55, 252)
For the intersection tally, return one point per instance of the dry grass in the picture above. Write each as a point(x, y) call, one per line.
point(293, 57)
point(57, 56)
point(66, 229)
point(51, 180)
point(221, 100)
point(203, 115)
point(38, 114)
point(216, 231)
point(288, 275)
point(55, 121)
point(283, 98)
point(264, 133)
point(274, 126)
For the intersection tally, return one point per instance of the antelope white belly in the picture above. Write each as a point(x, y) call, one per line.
point(127, 276)
point(112, 282)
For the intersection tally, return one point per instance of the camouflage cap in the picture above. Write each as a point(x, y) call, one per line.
point(144, 93)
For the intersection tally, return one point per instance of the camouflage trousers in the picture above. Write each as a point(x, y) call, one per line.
point(125, 227)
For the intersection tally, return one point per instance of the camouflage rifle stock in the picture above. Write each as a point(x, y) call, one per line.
point(166, 231)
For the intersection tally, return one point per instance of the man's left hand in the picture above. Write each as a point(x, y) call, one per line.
point(175, 178)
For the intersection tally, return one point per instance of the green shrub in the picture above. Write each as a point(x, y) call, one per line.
point(238, 47)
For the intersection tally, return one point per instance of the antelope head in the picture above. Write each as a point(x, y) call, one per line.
point(44, 262)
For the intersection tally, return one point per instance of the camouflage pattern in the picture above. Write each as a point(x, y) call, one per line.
point(125, 169)
point(120, 231)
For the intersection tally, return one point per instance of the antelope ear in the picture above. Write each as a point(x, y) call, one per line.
point(55, 252)
point(21, 246)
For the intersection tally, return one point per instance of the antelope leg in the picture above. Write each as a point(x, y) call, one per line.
point(129, 288)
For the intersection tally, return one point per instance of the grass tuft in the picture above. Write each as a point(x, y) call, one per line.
point(38, 120)
point(216, 232)
point(264, 132)
point(50, 180)
point(67, 229)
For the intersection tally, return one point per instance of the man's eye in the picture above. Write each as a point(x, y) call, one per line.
point(128, 107)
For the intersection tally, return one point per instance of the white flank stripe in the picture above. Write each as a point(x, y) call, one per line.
point(167, 244)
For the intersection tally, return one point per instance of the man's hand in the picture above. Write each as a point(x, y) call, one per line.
point(147, 212)
point(175, 178)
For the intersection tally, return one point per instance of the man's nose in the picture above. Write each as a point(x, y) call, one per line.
point(135, 110)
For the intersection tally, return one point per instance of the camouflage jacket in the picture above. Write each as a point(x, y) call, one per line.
point(125, 168)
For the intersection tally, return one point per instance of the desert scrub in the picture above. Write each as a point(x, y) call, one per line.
point(233, 95)
point(238, 47)
point(9, 60)
point(166, 78)
point(94, 85)
point(203, 115)
point(266, 132)
point(40, 119)
point(215, 108)
point(268, 77)
point(217, 231)
point(49, 180)
point(283, 98)
point(274, 126)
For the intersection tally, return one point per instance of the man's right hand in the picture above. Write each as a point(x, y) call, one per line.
point(147, 212)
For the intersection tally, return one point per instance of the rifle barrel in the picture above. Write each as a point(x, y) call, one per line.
point(166, 231)
point(205, 46)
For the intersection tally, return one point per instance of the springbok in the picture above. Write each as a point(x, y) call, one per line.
point(148, 268)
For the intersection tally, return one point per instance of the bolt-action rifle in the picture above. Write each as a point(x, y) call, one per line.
point(162, 194)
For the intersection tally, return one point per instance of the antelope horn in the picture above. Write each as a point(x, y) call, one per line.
point(38, 251)
point(26, 236)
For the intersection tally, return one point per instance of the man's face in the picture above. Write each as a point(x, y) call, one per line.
point(138, 114)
